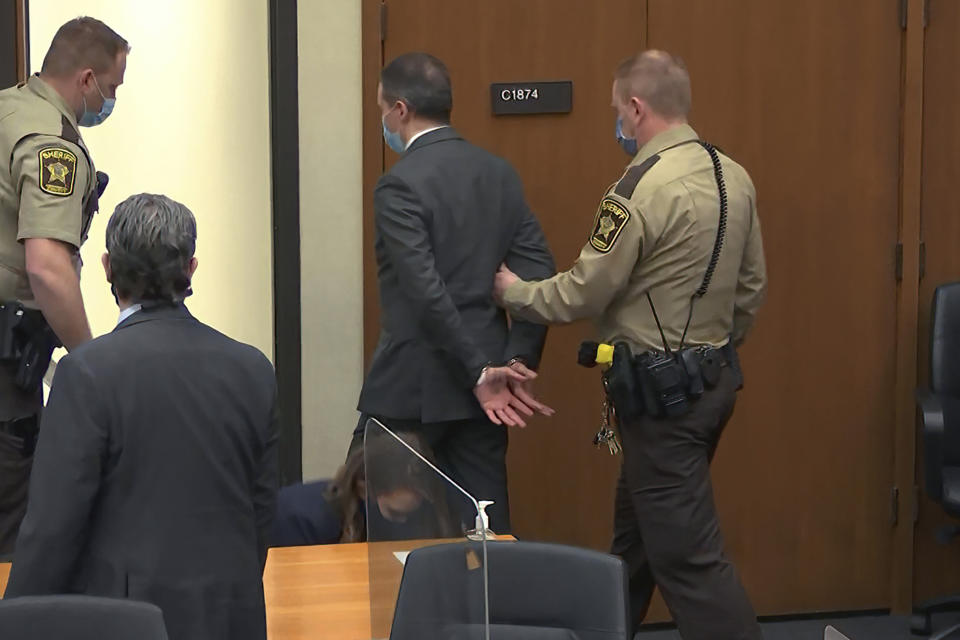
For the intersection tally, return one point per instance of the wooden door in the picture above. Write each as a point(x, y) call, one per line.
point(935, 565)
point(560, 486)
point(806, 96)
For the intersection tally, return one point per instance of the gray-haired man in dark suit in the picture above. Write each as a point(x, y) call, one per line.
point(156, 469)
point(449, 366)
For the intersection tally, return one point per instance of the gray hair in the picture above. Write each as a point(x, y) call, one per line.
point(658, 78)
point(150, 240)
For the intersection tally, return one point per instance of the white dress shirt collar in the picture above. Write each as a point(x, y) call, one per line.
point(129, 311)
point(415, 137)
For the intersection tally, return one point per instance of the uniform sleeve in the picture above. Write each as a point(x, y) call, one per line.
point(601, 271)
point(63, 485)
point(752, 281)
point(51, 175)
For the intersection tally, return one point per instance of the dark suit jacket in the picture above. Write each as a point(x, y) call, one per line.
point(155, 477)
point(447, 215)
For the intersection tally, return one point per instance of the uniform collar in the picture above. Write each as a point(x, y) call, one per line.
point(48, 93)
point(664, 140)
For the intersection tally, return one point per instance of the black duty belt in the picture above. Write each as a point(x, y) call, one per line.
point(27, 429)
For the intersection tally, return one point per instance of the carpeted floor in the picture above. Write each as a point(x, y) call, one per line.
point(859, 627)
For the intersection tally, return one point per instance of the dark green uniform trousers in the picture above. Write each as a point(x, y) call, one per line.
point(666, 527)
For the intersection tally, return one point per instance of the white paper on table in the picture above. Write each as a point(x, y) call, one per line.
point(401, 556)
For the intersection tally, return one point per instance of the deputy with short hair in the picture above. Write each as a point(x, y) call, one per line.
point(673, 274)
point(48, 195)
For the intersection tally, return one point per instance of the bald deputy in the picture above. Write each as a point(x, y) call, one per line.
point(48, 195)
point(677, 278)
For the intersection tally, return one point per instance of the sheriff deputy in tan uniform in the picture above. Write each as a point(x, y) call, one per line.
point(655, 235)
point(48, 195)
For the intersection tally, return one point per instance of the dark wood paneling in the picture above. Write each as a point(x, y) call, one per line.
point(806, 96)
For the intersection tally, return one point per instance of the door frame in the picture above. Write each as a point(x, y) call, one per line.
point(908, 306)
point(373, 31)
point(23, 40)
point(285, 200)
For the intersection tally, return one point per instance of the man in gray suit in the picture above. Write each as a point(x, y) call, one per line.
point(448, 365)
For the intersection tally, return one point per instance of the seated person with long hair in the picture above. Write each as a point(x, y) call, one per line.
point(408, 499)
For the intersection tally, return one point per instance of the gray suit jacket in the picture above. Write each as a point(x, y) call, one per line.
point(447, 215)
point(155, 477)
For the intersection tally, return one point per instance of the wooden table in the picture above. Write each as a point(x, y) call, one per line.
point(320, 593)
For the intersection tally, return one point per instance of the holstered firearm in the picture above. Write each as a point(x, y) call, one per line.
point(619, 378)
point(26, 344)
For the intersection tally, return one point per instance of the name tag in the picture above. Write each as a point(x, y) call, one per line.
point(530, 98)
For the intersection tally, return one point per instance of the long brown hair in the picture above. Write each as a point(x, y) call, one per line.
point(391, 467)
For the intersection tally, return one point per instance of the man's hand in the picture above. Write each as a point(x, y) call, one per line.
point(502, 281)
point(523, 389)
point(499, 403)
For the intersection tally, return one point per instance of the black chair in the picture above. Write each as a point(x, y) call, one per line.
point(939, 408)
point(79, 618)
point(537, 592)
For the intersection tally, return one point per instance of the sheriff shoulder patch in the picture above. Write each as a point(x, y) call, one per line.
point(611, 219)
point(58, 168)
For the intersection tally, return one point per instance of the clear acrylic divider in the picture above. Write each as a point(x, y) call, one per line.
point(412, 504)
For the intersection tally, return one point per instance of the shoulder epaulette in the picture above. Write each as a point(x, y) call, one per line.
point(628, 183)
point(68, 133)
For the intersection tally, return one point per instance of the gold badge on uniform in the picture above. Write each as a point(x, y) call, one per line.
point(58, 169)
point(611, 218)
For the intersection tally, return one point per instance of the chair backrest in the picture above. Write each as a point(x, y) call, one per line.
point(79, 618)
point(945, 341)
point(829, 633)
point(531, 585)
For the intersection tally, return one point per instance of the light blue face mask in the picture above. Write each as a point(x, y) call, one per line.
point(629, 145)
point(393, 140)
point(91, 119)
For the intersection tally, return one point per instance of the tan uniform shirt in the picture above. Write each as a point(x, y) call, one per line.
point(656, 236)
point(47, 180)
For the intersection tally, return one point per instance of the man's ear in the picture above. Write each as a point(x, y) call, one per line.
point(105, 259)
point(85, 78)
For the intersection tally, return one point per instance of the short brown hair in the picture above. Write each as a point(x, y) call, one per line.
point(658, 78)
point(83, 43)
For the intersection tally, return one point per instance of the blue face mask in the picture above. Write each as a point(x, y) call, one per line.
point(393, 140)
point(91, 119)
point(629, 145)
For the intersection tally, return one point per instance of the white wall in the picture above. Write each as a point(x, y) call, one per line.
point(191, 122)
point(331, 210)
